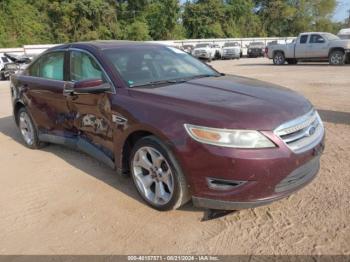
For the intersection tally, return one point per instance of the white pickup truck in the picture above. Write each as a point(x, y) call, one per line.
point(314, 46)
point(207, 51)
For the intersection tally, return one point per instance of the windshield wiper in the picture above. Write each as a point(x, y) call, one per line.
point(153, 83)
point(202, 76)
point(173, 81)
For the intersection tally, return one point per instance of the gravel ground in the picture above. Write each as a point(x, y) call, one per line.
point(59, 201)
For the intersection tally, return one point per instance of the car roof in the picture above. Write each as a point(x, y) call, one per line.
point(308, 33)
point(105, 44)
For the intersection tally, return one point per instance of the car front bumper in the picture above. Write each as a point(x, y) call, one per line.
point(298, 179)
point(231, 55)
point(262, 174)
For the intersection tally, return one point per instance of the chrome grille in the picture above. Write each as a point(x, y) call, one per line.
point(200, 52)
point(231, 51)
point(302, 133)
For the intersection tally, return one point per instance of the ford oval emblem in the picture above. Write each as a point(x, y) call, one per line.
point(311, 131)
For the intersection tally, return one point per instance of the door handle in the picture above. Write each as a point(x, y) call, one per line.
point(68, 89)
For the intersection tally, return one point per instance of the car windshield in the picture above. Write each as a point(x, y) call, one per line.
point(150, 65)
point(230, 44)
point(201, 45)
point(331, 36)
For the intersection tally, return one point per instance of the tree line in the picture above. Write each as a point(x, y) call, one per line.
point(58, 21)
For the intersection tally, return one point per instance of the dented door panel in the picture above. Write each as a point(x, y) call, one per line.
point(92, 119)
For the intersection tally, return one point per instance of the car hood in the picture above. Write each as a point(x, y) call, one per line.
point(341, 42)
point(229, 102)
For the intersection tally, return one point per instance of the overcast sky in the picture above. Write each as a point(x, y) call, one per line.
point(342, 10)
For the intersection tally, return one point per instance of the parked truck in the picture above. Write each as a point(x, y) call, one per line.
point(312, 46)
point(207, 51)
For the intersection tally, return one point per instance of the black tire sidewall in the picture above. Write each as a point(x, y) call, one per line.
point(279, 53)
point(334, 52)
point(152, 141)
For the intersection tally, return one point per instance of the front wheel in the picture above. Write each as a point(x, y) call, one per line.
point(157, 175)
point(337, 58)
point(278, 58)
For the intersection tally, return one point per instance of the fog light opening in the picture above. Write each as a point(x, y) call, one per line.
point(222, 184)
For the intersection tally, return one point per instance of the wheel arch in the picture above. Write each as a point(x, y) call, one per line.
point(17, 106)
point(125, 147)
point(278, 51)
point(335, 49)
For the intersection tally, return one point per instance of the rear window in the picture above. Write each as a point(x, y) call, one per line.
point(303, 39)
point(4, 59)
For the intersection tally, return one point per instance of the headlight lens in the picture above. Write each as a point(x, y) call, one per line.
point(229, 137)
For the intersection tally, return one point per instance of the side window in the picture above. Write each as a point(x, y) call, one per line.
point(49, 66)
point(83, 67)
point(317, 39)
point(303, 39)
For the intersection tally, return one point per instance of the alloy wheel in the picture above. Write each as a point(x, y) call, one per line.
point(336, 58)
point(278, 59)
point(153, 176)
point(26, 127)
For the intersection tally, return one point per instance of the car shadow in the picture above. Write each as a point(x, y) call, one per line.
point(98, 170)
point(335, 117)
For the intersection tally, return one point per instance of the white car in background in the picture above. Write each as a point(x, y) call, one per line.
point(344, 33)
point(207, 51)
point(3, 61)
point(231, 50)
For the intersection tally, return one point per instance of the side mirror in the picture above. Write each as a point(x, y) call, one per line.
point(89, 86)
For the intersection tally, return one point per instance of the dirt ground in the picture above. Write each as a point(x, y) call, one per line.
point(59, 201)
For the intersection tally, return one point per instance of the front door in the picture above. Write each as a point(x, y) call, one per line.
point(318, 46)
point(301, 48)
point(92, 118)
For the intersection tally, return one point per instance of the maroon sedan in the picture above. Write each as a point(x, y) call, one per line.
point(183, 130)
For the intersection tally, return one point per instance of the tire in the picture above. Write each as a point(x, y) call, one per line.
point(278, 58)
point(28, 130)
point(2, 77)
point(157, 175)
point(337, 57)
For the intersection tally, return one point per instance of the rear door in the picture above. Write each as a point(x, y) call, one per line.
point(42, 91)
point(91, 112)
point(301, 47)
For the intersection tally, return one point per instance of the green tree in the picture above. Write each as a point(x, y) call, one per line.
point(21, 23)
point(163, 19)
point(204, 18)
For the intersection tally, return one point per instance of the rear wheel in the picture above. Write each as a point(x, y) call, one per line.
point(157, 176)
point(337, 57)
point(28, 129)
point(278, 58)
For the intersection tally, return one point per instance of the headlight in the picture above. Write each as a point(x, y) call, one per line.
point(229, 137)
